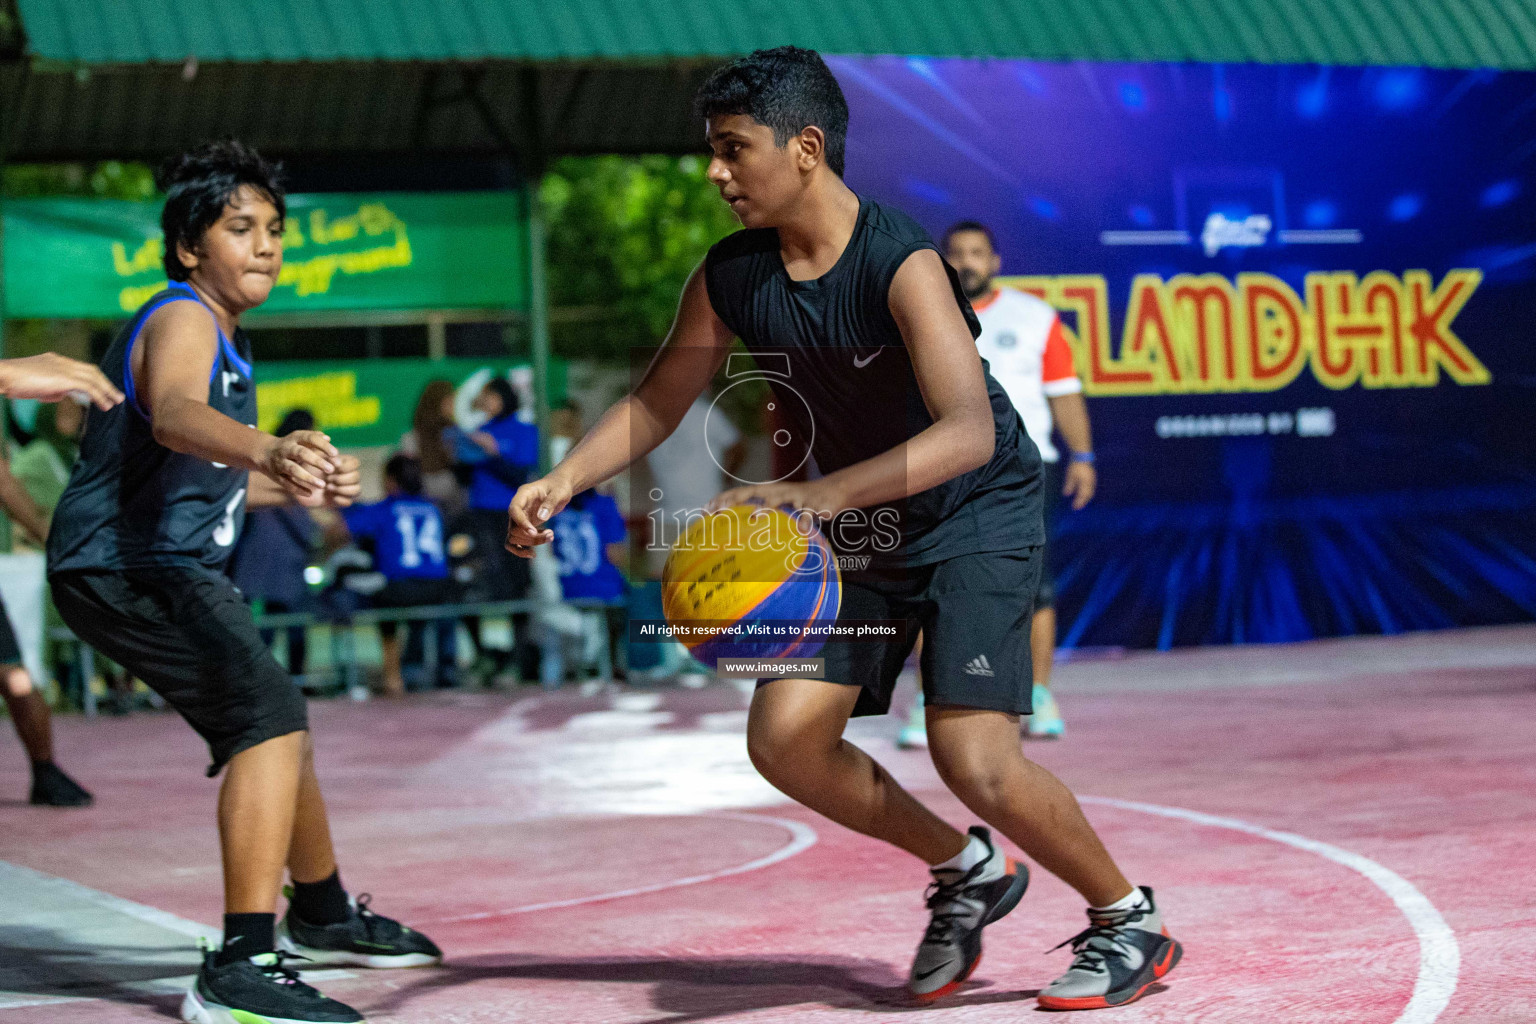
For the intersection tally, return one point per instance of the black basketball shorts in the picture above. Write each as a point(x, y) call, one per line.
point(973, 612)
point(188, 634)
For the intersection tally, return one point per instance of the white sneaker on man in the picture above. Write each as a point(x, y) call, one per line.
point(1045, 723)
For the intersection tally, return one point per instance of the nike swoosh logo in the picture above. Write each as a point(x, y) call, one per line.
point(932, 971)
point(861, 363)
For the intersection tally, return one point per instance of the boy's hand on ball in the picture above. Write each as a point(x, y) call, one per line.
point(534, 504)
point(817, 497)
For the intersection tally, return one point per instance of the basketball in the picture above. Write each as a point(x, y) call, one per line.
point(749, 582)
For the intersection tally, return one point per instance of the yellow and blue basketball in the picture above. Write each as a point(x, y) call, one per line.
point(747, 582)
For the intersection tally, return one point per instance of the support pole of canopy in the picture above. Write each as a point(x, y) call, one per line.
point(525, 146)
point(538, 316)
point(5, 520)
point(533, 161)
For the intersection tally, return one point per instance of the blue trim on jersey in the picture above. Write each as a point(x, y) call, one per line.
point(233, 356)
point(176, 291)
point(143, 315)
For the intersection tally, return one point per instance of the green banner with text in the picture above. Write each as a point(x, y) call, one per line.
point(102, 258)
point(370, 402)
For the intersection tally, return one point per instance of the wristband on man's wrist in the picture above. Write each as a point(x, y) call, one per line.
point(1084, 457)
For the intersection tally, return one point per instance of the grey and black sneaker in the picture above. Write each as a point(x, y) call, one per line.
point(365, 939)
point(1118, 958)
point(962, 905)
point(261, 990)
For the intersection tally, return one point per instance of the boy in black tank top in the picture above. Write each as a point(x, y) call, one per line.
point(885, 386)
point(136, 563)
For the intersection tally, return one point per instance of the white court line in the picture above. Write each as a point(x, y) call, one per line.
point(1439, 955)
point(11, 873)
point(138, 911)
point(173, 986)
point(802, 838)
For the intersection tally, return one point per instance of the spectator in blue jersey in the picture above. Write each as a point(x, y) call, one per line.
point(510, 448)
point(589, 540)
point(499, 455)
point(405, 533)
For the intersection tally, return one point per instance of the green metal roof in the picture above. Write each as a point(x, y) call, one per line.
point(1455, 33)
point(112, 79)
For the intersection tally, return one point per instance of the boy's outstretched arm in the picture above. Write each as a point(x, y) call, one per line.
point(172, 361)
point(680, 371)
point(948, 371)
point(50, 377)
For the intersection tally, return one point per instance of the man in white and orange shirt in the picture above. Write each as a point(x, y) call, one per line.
point(1023, 342)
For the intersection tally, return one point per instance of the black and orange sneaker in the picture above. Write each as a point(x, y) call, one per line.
point(1118, 957)
point(962, 904)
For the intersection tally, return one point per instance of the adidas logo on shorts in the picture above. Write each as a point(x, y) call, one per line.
point(979, 666)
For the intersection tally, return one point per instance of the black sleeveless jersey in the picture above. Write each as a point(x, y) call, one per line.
point(842, 376)
point(133, 503)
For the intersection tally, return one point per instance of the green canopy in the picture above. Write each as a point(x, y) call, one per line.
point(1447, 32)
point(141, 78)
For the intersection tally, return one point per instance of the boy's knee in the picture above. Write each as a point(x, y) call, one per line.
point(768, 751)
point(975, 782)
point(783, 755)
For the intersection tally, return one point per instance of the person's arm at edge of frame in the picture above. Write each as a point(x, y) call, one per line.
point(50, 377)
point(688, 358)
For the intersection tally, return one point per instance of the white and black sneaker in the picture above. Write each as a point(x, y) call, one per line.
point(364, 939)
point(1119, 956)
point(261, 990)
point(962, 904)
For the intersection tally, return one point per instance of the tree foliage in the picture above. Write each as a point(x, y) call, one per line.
point(110, 179)
point(624, 234)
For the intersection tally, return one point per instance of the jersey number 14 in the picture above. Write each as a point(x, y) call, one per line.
point(419, 535)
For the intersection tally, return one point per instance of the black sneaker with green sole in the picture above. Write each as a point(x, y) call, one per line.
point(365, 939)
point(261, 990)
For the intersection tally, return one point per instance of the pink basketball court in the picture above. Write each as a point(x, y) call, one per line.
point(1338, 831)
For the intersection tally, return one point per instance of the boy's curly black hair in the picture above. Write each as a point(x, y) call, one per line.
point(199, 183)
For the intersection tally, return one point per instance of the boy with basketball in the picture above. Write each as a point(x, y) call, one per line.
point(136, 557)
point(904, 416)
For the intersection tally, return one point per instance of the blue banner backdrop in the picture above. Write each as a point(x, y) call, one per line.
point(1301, 302)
